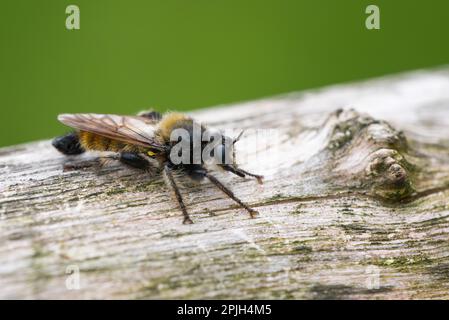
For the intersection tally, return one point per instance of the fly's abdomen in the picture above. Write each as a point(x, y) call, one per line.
point(92, 141)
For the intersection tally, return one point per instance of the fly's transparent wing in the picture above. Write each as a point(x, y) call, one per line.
point(129, 129)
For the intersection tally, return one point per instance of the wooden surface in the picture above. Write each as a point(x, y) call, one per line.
point(354, 206)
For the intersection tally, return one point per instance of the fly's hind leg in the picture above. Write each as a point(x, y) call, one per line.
point(139, 161)
point(130, 159)
point(134, 160)
point(171, 183)
point(97, 162)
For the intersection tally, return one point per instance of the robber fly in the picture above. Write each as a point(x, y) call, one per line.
point(143, 142)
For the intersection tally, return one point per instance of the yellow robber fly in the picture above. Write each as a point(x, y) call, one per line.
point(144, 142)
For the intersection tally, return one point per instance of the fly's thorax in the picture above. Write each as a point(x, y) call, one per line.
point(171, 121)
point(184, 142)
point(192, 143)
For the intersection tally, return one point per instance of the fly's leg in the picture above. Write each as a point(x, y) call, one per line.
point(134, 160)
point(97, 162)
point(68, 144)
point(130, 159)
point(230, 194)
point(138, 161)
point(259, 178)
point(170, 181)
point(242, 173)
point(71, 166)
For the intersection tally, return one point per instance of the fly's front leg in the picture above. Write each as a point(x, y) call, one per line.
point(171, 183)
point(242, 173)
point(230, 194)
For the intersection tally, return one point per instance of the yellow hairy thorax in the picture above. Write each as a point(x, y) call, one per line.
point(169, 122)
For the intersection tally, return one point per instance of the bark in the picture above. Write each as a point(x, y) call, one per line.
point(354, 205)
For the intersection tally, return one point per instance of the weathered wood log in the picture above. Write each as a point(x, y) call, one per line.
point(355, 204)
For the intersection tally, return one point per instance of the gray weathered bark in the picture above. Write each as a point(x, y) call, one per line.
point(354, 205)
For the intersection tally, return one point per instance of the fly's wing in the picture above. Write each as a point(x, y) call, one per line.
point(127, 129)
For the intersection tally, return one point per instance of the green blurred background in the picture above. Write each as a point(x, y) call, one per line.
point(186, 54)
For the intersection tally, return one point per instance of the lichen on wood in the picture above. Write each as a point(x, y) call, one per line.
point(354, 205)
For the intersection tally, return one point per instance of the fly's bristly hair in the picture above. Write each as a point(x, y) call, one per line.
point(95, 142)
point(143, 142)
point(169, 122)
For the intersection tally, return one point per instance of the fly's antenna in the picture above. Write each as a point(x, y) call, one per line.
point(233, 143)
point(238, 137)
